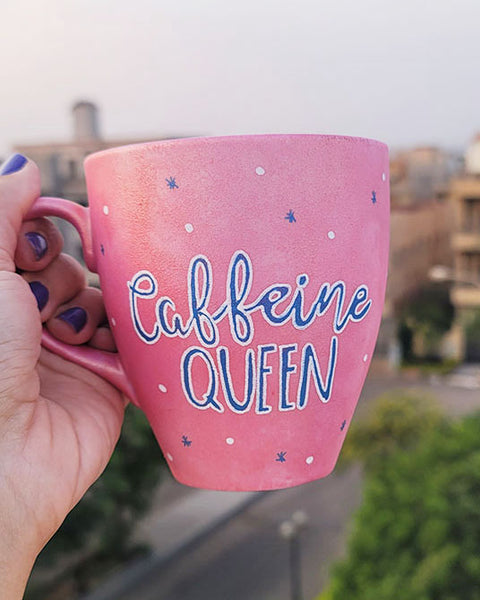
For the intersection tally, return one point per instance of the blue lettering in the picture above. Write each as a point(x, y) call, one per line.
point(204, 320)
point(209, 399)
point(327, 294)
point(263, 371)
point(136, 291)
point(205, 326)
point(310, 367)
point(351, 314)
point(177, 327)
point(272, 296)
point(240, 323)
point(227, 385)
point(286, 368)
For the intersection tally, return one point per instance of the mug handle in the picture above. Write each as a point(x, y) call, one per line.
point(105, 364)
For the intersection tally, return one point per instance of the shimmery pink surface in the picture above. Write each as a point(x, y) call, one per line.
point(238, 194)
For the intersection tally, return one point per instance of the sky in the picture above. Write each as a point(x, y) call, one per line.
point(405, 72)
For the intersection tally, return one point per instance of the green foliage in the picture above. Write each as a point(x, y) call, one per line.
point(472, 324)
point(417, 534)
point(98, 529)
point(396, 420)
point(436, 367)
point(326, 594)
point(472, 331)
point(427, 315)
point(431, 310)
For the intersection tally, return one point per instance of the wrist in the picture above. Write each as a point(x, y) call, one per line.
point(16, 562)
point(14, 574)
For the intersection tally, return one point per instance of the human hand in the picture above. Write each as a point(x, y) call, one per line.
point(59, 423)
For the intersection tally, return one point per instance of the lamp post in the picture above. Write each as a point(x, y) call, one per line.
point(290, 531)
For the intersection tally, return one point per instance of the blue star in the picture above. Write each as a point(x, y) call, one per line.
point(374, 197)
point(291, 217)
point(185, 441)
point(281, 457)
point(342, 427)
point(172, 184)
point(102, 249)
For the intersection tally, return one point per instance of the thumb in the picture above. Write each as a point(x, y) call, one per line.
point(20, 325)
point(19, 187)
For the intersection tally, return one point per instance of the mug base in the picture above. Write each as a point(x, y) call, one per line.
point(252, 483)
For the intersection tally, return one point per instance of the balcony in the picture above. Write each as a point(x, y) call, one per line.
point(466, 241)
point(465, 296)
point(466, 186)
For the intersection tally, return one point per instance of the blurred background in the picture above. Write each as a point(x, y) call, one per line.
point(400, 512)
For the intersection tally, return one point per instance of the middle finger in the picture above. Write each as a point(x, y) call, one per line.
point(61, 281)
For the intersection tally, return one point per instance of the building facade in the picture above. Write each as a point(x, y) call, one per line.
point(465, 294)
point(420, 232)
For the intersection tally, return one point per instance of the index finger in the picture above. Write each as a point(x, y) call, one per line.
point(18, 190)
point(39, 242)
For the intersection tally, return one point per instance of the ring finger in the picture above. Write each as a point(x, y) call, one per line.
point(61, 281)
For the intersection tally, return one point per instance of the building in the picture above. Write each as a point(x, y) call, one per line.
point(420, 232)
point(419, 175)
point(464, 195)
point(61, 164)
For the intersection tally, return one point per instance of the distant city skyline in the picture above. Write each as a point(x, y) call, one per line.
point(402, 72)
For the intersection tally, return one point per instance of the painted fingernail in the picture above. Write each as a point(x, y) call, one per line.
point(38, 243)
point(13, 164)
point(40, 292)
point(76, 317)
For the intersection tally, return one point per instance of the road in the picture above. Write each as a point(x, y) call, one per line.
point(247, 559)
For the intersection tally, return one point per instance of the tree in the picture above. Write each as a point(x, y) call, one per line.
point(396, 420)
point(96, 534)
point(472, 331)
point(417, 534)
point(428, 315)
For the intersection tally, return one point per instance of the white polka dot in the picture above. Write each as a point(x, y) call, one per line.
point(331, 235)
point(230, 441)
point(170, 457)
point(162, 388)
point(113, 322)
point(260, 171)
point(384, 177)
point(189, 228)
point(105, 210)
point(309, 460)
point(365, 358)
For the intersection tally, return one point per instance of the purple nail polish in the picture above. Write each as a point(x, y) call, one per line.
point(76, 317)
point(13, 164)
point(38, 243)
point(40, 292)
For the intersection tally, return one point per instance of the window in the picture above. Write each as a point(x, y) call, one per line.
point(471, 215)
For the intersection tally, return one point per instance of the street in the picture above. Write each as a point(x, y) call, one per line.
point(247, 559)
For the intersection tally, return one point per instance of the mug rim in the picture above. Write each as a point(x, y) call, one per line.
point(229, 138)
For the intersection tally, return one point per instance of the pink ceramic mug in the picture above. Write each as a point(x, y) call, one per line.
point(244, 280)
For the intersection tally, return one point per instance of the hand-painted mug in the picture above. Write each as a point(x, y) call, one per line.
point(244, 280)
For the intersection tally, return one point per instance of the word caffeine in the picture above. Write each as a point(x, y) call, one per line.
point(203, 321)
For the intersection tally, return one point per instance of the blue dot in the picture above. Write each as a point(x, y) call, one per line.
point(302, 280)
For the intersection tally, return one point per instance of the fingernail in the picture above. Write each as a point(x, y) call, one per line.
point(40, 292)
point(76, 317)
point(13, 164)
point(38, 244)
